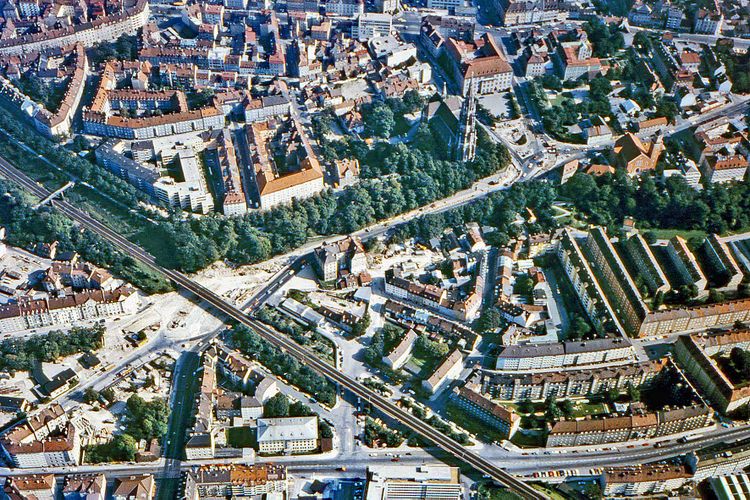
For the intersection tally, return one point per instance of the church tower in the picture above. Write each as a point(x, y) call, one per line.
point(467, 132)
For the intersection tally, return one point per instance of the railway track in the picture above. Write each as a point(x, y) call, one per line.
point(279, 340)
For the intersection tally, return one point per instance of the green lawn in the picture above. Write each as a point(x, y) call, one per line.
point(665, 234)
point(584, 409)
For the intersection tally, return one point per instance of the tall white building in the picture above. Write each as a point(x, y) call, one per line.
point(371, 25)
point(407, 482)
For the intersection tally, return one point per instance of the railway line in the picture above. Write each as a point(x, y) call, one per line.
point(279, 340)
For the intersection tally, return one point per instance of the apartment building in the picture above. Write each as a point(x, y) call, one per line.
point(344, 255)
point(400, 354)
point(60, 122)
point(30, 487)
point(642, 425)
point(263, 108)
point(615, 281)
point(523, 357)
point(300, 177)
point(518, 386)
point(70, 309)
point(645, 262)
point(101, 29)
point(644, 480)
point(404, 482)
point(84, 487)
point(686, 264)
point(496, 416)
point(695, 355)
point(141, 175)
point(724, 167)
point(581, 277)
point(447, 371)
point(722, 261)
point(708, 23)
point(573, 55)
point(534, 12)
point(287, 435)
point(234, 480)
point(696, 318)
point(232, 192)
point(45, 439)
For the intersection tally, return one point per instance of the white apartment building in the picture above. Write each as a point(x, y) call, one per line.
point(370, 25)
point(287, 435)
point(67, 310)
point(564, 354)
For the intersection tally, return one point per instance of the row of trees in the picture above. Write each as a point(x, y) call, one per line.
point(19, 354)
point(280, 406)
point(284, 365)
point(606, 200)
point(27, 227)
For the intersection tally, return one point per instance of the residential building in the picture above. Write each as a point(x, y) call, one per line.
point(708, 23)
point(450, 369)
point(496, 416)
point(232, 193)
point(641, 425)
point(30, 487)
point(234, 480)
point(300, 177)
point(136, 487)
point(722, 261)
point(263, 108)
point(643, 480)
point(84, 487)
point(696, 356)
point(534, 12)
point(405, 482)
point(590, 294)
point(400, 354)
point(685, 263)
point(346, 172)
point(347, 254)
point(141, 175)
point(45, 439)
point(538, 386)
point(702, 317)
point(522, 357)
point(612, 275)
point(645, 262)
point(287, 435)
point(724, 168)
point(106, 28)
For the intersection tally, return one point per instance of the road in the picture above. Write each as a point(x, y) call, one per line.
point(280, 341)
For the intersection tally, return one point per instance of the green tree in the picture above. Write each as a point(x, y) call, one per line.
point(378, 120)
point(276, 406)
point(360, 327)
